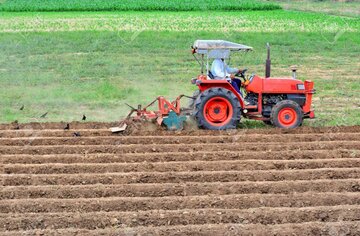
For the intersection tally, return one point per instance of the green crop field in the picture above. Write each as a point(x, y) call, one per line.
point(251, 21)
point(74, 63)
point(139, 5)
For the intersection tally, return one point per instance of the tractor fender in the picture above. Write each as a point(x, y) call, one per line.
point(206, 84)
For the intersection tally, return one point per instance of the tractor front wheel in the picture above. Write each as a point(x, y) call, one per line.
point(287, 114)
point(217, 109)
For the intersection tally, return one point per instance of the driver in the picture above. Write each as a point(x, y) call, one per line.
point(220, 70)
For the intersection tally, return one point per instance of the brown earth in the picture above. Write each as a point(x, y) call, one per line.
point(195, 182)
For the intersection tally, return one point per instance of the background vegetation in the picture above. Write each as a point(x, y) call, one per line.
point(138, 5)
point(226, 22)
point(74, 63)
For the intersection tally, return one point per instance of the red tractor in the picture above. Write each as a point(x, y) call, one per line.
point(282, 102)
point(218, 104)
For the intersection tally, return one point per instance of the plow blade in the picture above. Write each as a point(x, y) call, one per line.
point(118, 129)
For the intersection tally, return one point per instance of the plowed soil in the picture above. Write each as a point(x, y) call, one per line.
point(195, 182)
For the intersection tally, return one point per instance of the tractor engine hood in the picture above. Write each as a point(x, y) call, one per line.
point(275, 85)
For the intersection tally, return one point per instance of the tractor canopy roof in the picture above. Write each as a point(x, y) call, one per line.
point(219, 44)
point(217, 48)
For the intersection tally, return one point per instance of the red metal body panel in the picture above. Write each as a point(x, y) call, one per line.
point(281, 85)
point(309, 88)
point(274, 85)
point(166, 106)
point(256, 85)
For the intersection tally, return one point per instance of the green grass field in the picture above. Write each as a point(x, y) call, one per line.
point(138, 5)
point(225, 22)
point(73, 63)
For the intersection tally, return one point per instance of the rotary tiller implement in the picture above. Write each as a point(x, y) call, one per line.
point(169, 113)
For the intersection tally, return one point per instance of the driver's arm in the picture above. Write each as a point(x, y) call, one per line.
point(230, 70)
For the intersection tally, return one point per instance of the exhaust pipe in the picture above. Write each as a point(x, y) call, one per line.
point(268, 62)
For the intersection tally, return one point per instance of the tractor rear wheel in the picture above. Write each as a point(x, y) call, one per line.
point(287, 114)
point(217, 109)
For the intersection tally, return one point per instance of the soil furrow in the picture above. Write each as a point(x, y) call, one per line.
point(101, 220)
point(104, 127)
point(232, 165)
point(179, 177)
point(37, 141)
point(303, 181)
point(105, 133)
point(242, 201)
point(182, 156)
point(179, 189)
point(308, 228)
point(153, 148)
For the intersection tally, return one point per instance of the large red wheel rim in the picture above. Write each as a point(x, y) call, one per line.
point(287, 117)
point(218, 111)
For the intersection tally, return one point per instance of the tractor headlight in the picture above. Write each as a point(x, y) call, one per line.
point(300, 86)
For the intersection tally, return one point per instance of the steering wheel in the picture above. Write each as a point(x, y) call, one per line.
point(242, 73)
